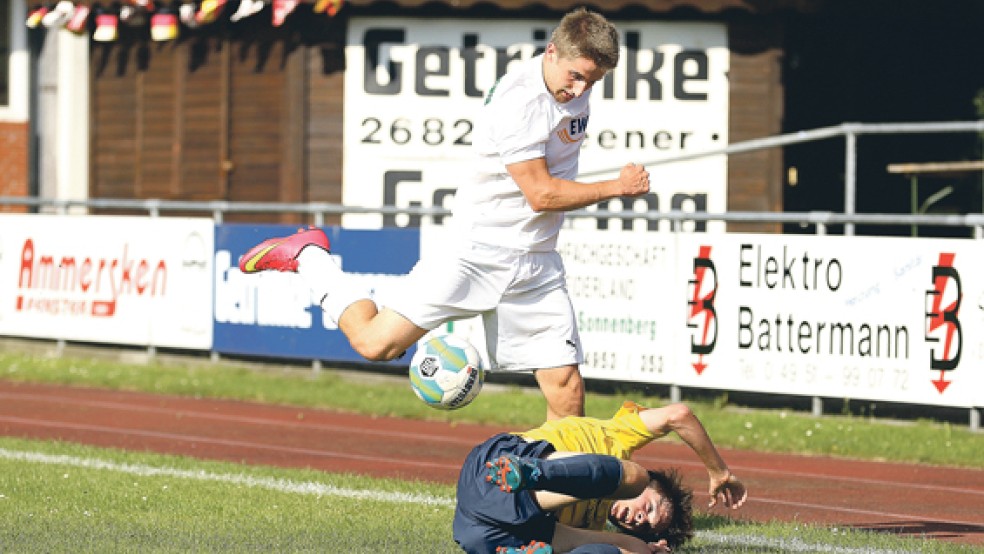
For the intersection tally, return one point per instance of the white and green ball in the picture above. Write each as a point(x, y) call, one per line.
point(446, 372)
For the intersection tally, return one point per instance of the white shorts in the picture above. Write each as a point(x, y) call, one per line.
point(521, 296)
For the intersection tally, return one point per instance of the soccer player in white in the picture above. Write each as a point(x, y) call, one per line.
point(507, 215)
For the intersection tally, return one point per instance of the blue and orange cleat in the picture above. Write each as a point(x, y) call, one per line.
point(512, 473)
point(535, 547)
point(280, 254)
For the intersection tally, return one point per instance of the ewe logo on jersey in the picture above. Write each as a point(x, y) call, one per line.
point(574, 132)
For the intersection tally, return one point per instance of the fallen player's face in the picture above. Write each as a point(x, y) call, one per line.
point(647, 513)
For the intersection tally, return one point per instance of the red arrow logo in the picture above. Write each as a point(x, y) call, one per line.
point(944, 318)
point(942, 383)
point(699, 366)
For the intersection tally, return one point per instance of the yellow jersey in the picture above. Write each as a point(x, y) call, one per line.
point(619, 436)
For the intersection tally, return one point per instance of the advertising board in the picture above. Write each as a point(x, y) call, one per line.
point(414, 86)
point(272, 314)
point(110, 279)
point(876, 318)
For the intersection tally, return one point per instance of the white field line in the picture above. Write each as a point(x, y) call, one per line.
point(278, 485)
point(787, 545)
point(321, 489)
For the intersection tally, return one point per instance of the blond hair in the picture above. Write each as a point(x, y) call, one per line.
point(586, 34)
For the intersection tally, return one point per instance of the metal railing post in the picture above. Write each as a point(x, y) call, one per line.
point(218, 212)
point(850, 175)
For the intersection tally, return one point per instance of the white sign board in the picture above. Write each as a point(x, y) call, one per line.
point(112, 279)
point(843, 317)
point(414, 86)
point(625, 297)
point(872, 318)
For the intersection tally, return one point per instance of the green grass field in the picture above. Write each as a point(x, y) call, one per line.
point(58, 497)
point(70, 498)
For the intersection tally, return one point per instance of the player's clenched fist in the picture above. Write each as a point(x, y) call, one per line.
point(634, 179)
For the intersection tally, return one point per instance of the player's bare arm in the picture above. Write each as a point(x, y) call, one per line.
point(547, 193)
point(724, 487)
point(567, 538)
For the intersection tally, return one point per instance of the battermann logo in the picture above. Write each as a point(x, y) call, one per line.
point(942, 322)
point(67, 285)
point(702, 316)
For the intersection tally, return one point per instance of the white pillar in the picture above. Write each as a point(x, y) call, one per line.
point(72, 147)
point(63, 116)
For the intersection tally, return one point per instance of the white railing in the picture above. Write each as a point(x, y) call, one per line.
point(821, 220)
point(850, 132)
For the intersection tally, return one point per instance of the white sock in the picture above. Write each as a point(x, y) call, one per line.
point(334, 289)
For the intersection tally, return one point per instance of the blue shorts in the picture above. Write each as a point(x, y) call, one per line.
point(485, 517)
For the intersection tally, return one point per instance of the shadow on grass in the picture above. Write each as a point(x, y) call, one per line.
point(705, 522)
point(927, 529)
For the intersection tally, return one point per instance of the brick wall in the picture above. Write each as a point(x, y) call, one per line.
point(13, 162)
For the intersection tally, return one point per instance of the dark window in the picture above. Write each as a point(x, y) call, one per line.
point(5, 30)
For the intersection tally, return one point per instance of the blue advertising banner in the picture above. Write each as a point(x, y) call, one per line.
point(272, 314)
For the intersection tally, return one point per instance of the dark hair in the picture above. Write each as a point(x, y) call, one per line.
point(669, 483)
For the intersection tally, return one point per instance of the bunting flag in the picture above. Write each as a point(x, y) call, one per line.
point(80, 19)
point(246, 9)
point(165, 17)
point(329, 7)
point(107, 26)
point(59, 15)
point(209, 11)
point(164, 25)
point(281, 9)
point(187, 12)
point(35, 16)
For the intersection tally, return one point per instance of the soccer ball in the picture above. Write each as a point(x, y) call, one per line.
point(446, 372)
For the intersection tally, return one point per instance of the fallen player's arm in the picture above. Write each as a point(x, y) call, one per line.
point(678, 418)
point(568, 538)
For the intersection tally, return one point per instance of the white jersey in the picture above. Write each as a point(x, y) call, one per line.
point(520, 121)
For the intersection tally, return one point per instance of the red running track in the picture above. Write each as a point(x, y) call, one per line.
point(938, 502)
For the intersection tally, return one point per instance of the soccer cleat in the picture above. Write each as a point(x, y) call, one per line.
point(512, 473)
point(280, 254)
point(535, 547)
